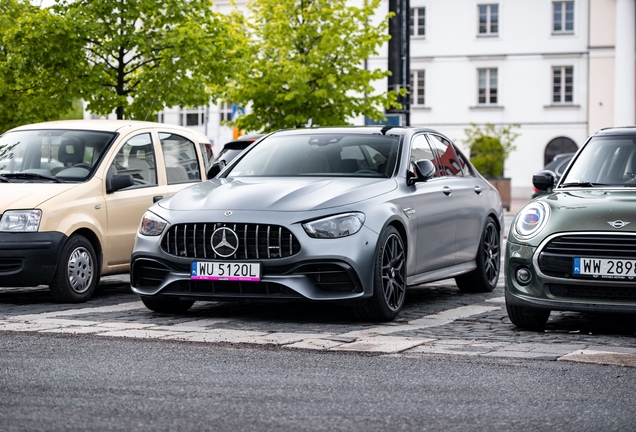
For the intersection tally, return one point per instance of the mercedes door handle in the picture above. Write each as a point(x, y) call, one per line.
point(478, 190)
point(447, 190)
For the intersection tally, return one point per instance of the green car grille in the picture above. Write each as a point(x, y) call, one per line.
point(556, 257)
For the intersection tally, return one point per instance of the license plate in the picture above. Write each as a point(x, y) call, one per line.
point(605, 268)
point(227, 271)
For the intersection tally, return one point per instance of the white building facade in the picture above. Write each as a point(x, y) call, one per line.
point(559, 69)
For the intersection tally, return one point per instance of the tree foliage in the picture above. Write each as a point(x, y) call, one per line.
point(490, 146)
point(39, 61)
point(143, 55)
point(305, 64)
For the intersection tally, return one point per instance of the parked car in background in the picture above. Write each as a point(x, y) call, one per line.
point(72, 194)
point(350, 215)
point(574, 249)
point(233, 148)
point(557, 165)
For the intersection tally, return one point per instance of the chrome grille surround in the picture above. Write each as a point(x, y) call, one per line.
point(561, 248)
point(256, 241)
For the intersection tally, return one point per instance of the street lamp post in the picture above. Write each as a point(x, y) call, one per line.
point(399, 57)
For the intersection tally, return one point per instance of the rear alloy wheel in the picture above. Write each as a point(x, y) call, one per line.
point(167, 305)
point(389, 279)
point(77, 273)
point(533, 319)
point(484, 278)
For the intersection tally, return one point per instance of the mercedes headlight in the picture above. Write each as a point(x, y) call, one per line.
point(151, 224)
point(341, 225)
point(20, 220)
point(532, 218)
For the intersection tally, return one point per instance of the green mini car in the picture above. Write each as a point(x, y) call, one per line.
point(574, 248)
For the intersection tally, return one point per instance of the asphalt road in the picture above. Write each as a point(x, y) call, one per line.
point(451, 361)
point(70, 383)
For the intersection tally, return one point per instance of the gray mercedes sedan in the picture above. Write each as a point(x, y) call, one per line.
point(349, 215)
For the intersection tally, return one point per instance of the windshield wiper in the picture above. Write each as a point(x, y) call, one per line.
point(32, 175)
point(4, 179)
point(582, 184)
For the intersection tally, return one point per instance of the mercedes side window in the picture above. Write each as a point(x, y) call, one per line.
point(446, 155)
point(420, 149)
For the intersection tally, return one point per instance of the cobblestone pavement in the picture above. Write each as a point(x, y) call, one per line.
point(437, 319)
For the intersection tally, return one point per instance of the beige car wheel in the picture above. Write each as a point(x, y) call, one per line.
point(77, 274)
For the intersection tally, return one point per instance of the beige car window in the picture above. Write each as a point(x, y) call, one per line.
point(180, 154)
point(137, 157)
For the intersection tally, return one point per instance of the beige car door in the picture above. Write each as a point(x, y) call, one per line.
point(182, 161)
point(136, 156)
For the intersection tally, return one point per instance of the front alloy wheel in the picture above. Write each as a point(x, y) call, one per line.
point(389, 281)
point(484, 278)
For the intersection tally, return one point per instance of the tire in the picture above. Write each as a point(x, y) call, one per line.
point(484, 278)
point(77, 272)
point(533, 319)
point(389, 279)
point(167, 305)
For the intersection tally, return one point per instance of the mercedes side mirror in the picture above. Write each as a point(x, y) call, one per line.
point(424, 171)
point(216, 168)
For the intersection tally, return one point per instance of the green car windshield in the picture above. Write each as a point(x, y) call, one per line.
point(325, 155)
point(604, 161)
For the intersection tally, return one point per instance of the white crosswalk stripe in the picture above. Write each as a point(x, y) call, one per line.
point(374, 339)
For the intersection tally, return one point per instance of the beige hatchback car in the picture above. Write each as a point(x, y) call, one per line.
point(72, 194)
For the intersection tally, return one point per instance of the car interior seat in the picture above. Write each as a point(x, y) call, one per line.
point(176, 174)
point(141, 158)
point(69, 153)
point(314, 162)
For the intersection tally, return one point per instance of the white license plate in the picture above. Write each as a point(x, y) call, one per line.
point(605, 268)
point(227, 271)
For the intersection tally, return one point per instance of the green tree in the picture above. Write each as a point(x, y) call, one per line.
point(306, 65)
point(39, 61)
point(143, 55)
point(490, 146)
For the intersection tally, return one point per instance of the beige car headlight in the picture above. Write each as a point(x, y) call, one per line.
point(20, 220)
point(151, 224)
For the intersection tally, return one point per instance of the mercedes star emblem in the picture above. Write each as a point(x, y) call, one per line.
point(224, 242)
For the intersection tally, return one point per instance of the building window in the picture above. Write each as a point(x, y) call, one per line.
point(418, 22)
point(563, 17)
point(418, 87)
point(225, 111)
point(160, 117)
point(192, 117)
point(487, 86)
point(488, 19)
point(562, 84)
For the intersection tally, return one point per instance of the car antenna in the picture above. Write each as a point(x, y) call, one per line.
point(385, 129)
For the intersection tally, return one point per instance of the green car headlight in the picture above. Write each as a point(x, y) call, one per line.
point(531, 220)
point(20, 220)
point(341, 225)
point(151, 224)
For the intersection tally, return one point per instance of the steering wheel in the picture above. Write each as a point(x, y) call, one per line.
point(83, 165)
point(366, 171)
